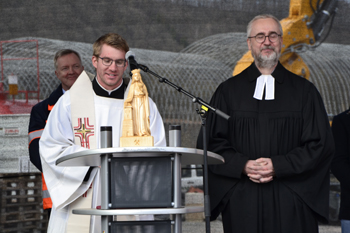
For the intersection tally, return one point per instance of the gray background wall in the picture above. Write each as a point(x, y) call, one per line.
point(168, 25)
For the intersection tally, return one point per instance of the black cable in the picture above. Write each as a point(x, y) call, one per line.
point(329, 30)
point(318, 5)
point(312, 8)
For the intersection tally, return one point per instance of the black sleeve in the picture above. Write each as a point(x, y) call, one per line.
point(36, 126)
point(218, 132)
point(341, 164)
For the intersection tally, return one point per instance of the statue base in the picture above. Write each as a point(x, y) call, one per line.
point(145, 141)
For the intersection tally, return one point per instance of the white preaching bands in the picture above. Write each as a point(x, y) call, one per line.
point(265, 81)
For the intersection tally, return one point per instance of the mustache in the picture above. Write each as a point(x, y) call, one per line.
point(268, 47)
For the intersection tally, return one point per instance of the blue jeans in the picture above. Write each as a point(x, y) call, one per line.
point(345, 226)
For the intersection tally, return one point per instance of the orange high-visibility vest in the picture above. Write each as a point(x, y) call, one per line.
point(47, 202)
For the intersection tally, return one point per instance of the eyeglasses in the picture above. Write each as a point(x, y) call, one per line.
point(260, 38)
point(107, 61)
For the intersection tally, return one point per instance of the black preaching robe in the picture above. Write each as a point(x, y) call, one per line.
point(293, 130)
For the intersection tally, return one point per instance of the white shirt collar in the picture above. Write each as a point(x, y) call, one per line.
point(265, 81)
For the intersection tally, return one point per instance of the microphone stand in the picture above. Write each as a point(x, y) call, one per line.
point(203, 112)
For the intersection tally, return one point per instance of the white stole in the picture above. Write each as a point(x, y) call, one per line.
point(83, 112)
point(83, 124)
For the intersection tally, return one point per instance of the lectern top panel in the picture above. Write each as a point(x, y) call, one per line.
point(92, 157)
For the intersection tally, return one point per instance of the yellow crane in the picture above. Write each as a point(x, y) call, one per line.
point(302, 30)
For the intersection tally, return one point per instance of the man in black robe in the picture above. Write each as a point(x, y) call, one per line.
point(277, 144)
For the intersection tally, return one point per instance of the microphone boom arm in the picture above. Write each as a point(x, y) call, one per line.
point(179, 89)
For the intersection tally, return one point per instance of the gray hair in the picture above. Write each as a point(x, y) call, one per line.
point(265, 16)
point(62, 53)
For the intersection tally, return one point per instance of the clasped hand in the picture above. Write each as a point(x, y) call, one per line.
point(260, 170)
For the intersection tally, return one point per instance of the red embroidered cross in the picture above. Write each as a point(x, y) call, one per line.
point(84, 131)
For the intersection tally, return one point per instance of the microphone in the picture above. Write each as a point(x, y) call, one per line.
point(132, 63)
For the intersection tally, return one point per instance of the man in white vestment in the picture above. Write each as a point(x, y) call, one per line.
point(74, 125)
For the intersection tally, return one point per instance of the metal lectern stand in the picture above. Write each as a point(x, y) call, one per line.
point(101, 157)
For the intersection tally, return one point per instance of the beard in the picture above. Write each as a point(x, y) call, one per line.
point(266, 61)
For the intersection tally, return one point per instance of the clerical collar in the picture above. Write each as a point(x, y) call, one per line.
point(117, 93)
